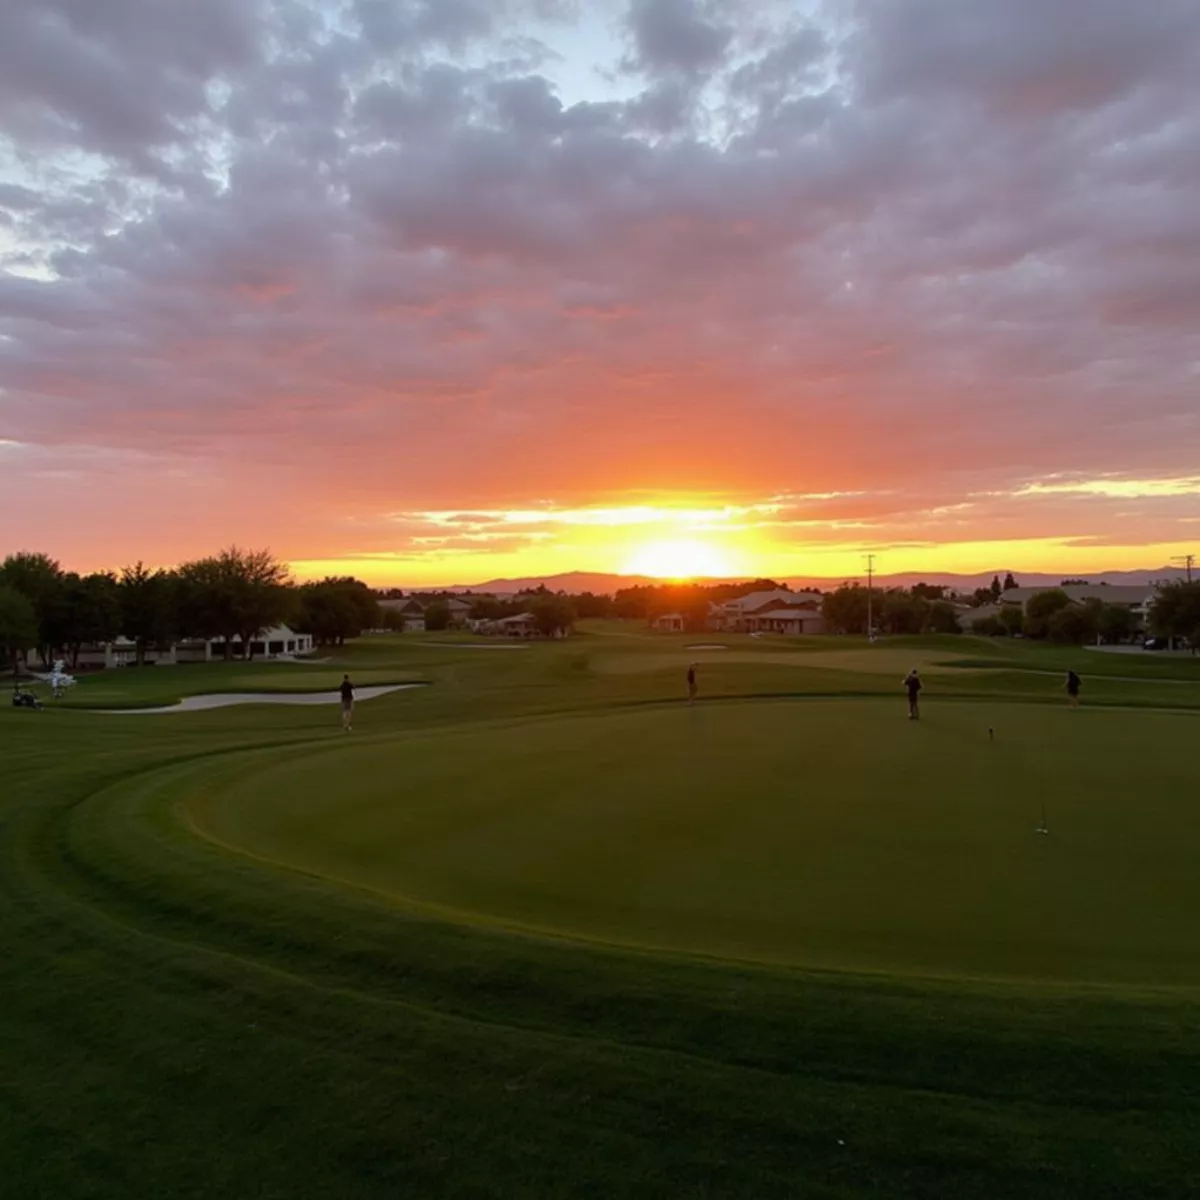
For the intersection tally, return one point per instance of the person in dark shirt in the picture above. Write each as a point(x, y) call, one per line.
point(1074, 683)
point(347, 691)
point(691, 680)
point(912, 684)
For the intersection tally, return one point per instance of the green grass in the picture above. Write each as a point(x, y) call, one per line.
point(540, 930)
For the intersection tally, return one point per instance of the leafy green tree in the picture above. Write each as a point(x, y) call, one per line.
point(929, 591)
point(1040, 608)
point(39, 578)
point(592, 607)
point(996, 588)
point(1072, 625)
point(392, 621)
point(1011, 618)
point(237, 593)
point(1010, 583)
point(1175, 612)
point(554, 615)
point(437, 616)
point(149, 603)
point(91, 613)
point(902, 613)
point(18, 625)
point(1118, 623)
point(942, 617)
point(845, 610)
point(336, 609)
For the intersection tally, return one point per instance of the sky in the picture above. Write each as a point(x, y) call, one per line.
point(433, 291)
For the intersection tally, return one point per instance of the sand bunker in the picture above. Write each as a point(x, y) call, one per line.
point(228, 699)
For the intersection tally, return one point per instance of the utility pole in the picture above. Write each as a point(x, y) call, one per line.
point(870, 597)
point(1187, 561)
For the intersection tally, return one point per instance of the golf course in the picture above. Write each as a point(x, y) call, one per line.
point(539, 927)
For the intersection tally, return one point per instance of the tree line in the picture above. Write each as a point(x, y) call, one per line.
point(1053, 616)
point(923, 608)
point(232, 595)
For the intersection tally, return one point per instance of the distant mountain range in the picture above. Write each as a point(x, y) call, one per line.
point(606, 584)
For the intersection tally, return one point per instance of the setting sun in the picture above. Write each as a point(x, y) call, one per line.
point(680, 558)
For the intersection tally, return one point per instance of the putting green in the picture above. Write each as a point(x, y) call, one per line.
point(829, 834)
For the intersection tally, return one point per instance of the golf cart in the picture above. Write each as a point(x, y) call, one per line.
point(24, 698)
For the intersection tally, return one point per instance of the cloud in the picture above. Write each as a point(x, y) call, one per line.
point(677, 36)
point(931, 253)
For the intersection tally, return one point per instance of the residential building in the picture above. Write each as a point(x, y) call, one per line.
point(778, 611)
point(411, 610)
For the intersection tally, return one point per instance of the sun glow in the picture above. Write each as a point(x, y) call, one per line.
point(679, 558)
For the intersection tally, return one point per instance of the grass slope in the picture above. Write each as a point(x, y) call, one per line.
point(182, 1021)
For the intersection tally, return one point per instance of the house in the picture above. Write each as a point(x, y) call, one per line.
point(411, 610)
point(523, 625)
point(460, 611)
point(668, 623)
point(778, 611)
point(792, 620)
point(1136, 599)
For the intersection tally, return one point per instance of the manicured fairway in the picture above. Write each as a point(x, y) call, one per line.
point(541, 930)
point(823, 834)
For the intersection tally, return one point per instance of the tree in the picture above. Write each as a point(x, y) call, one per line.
point(1074, 583)
point(1117, 623)
point(38, 578)
point(845, 610)
point(985, 595)
point(1011, 619)
point(392, 621)
point(437, 616)
point(689, 600)
point(18, 625)
point(902, 613)
point(258, 589)
point(1073, 625)
point(929, 591)
point(1040, 608)
point(148, 603)
point(996, 589)
point(1175, 612)
point(553, 614)
point(335, 609)
point(942, 617)
point(1010, 583)
point(590, 606)
point(90, 613)
point(488, 608)
point(238, 593)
